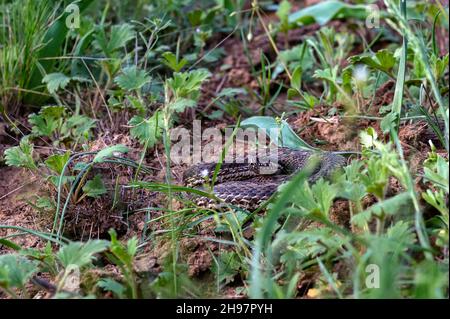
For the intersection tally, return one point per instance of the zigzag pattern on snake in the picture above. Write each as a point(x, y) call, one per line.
point(249, 182)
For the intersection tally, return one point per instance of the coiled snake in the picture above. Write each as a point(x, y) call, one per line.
point(249, 182)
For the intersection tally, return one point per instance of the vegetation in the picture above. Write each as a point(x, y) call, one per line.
point(91, 92)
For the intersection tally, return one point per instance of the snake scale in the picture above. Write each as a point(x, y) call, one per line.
point(248, 183)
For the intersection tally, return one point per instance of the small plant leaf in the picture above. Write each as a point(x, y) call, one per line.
point(80, 254)
point(55, 81)
point(16, 270)
point(146, 130)
point(56, 162)
point(109, 151)
point(172, 62)
point(115, 287)
point(325, 11)
point(132, 78)
point(95, 187)
point(280, 133)
point(21, 156)
point(296, 81)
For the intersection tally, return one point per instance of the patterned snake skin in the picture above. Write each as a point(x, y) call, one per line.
point(248, 183)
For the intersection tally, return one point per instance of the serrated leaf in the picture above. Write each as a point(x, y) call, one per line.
point(124, 254)
point(53, 111)
point(55, 81)
point(389, 207)
point(95, 187)
point(109, 151)
point(182, 104)
point(115, 287)
point(132, 78)
point(80, 125)
point(21, 156)
point(16, 270)
point(146, 130)
point(187, 84)
point(47, 121)
point(227, 267)
point(119, 36)
point(80, 254)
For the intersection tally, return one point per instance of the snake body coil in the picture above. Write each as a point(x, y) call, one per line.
point(249, 182)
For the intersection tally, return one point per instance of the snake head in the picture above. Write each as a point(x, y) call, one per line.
point(198, 174)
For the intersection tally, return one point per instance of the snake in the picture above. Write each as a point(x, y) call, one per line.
point(247, 182)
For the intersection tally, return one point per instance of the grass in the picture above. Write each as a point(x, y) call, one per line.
point(104, 99)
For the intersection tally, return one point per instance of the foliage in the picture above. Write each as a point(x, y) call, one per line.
point(139, 68)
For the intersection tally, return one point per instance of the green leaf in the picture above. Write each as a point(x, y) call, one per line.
point(386, 59)
point(80, 254)
point(80, 125)
point(390, 206)
point(325, 11)
point(231, 92)
point(227, 266)
point(47, 121)
point(284, 8)
point(109, 284)
point(16, 270)
point(430, 280)
point(296, 81)
point(187, 84)
point(383, 61)
point(53, 111)
point(124, 254)
point(136, 103)
point(172, 62)
point(95, 187)
point(132, 78)
point(42, 126)
point(280, 133)
point(109, 151)
point(55, 81)
point(120, 35)
point(195, 17)
point(438, 174)
point(52, 46)
point(397, 102)
point(147, 130)
point(316, 199)
point(181, 104)
point(368, 137)
point(56, 162)
point(21, 156)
